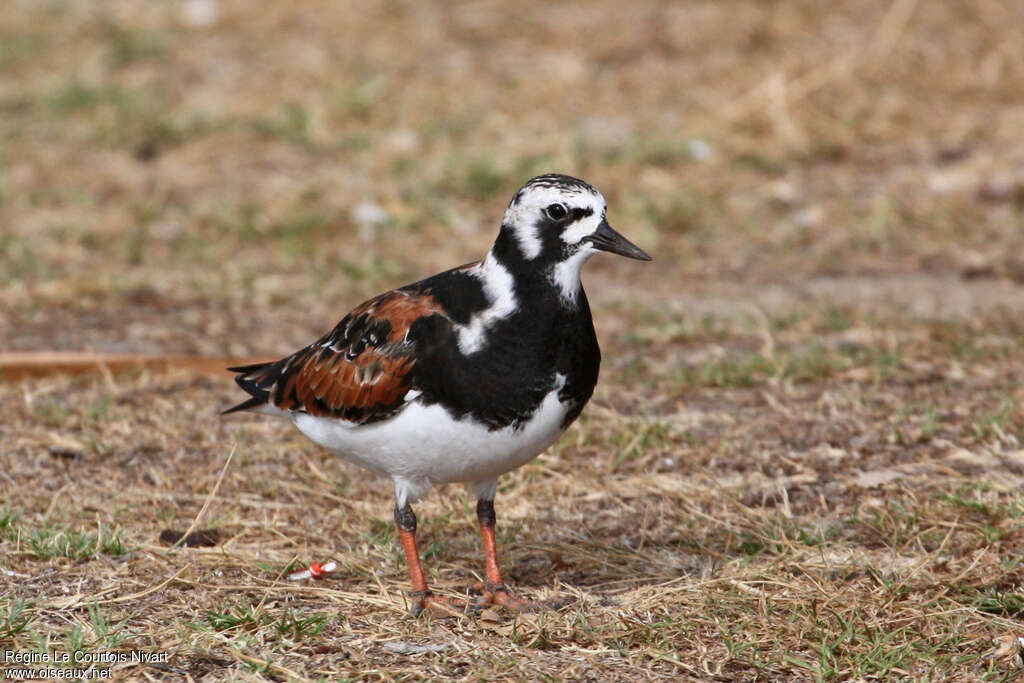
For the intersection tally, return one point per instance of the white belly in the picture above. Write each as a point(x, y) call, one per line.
point(423, 445)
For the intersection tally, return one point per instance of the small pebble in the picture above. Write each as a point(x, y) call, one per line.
point(405, 648)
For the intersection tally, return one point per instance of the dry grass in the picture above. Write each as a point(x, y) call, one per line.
point(804, 458)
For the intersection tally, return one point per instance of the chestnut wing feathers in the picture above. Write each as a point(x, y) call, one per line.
point(361, 371)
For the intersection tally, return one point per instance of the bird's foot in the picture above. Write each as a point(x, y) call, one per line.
point(425, 600)
point(498, 595)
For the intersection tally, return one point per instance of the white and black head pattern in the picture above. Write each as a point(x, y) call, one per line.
point(553, 225)
point(551, 214)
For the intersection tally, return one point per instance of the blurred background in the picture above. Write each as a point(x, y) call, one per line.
point(175, 175)
point(813, 396)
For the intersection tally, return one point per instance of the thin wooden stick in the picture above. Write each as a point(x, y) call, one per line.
point(17, 364)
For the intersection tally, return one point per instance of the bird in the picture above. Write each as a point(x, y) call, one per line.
point(460, 377)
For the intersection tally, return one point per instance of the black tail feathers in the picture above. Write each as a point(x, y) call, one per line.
point(257, 380)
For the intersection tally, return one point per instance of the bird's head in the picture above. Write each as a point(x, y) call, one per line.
point(553, 225)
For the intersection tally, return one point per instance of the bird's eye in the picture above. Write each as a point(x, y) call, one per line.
point(556, 212)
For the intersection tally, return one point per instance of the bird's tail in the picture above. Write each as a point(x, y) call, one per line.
point(257, 380)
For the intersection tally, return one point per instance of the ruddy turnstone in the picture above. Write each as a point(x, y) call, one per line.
point(463, 376)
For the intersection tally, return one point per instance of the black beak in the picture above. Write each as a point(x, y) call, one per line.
point(606, 239)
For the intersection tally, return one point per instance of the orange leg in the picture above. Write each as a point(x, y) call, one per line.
point(493, 590)
point(492, 574)
point(405, 520)
point(412, 558)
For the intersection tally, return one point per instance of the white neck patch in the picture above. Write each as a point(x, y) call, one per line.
point(565, 275)
point(499, 288)
point(529, 240)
